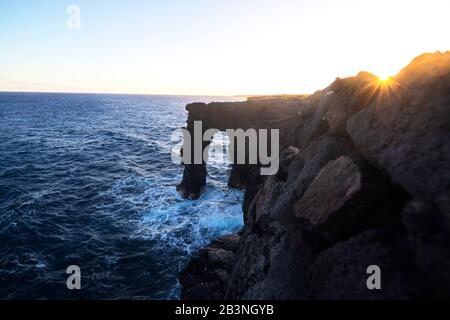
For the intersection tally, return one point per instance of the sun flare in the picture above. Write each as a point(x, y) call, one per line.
point(384, 78)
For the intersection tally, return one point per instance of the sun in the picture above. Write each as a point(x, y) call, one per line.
point(385, 81)
point(384, 78)
point(386, 84)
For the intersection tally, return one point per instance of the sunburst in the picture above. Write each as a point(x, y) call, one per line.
point(384, 78)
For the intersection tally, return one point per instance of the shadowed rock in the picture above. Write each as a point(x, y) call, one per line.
point(346, 198)
point(273, 265)
point(428, 223)
point(277, 197)
point(341, 271)
point(350, 95)
point(206, 276)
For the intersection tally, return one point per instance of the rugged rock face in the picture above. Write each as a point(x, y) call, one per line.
point(205, 278)
point(428, 223)
point(406, 130)
point(364, 181)
point(276, 198)
point(341, 271)
point(345, 198)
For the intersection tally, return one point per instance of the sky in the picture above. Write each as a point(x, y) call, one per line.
point(211, 47)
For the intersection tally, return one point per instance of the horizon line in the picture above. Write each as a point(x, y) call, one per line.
point(125, 93)
point(160, 94)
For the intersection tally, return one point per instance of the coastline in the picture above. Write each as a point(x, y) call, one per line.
point(362, 180)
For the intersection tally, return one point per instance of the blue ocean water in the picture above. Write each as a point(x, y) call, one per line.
point(88, 180)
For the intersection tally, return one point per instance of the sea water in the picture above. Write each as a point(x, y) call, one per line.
point(87, 180)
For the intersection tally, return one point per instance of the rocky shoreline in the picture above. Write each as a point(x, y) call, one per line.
point(364, 180)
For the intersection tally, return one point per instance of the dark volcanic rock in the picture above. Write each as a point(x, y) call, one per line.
point(428, 223)
point(423, 68)
point(346, 198)
point(275, 200)
point(352, 158)
point(242, 176)
point(206, 276)
point(406, 130)
point(315, 124)
point(273, 265)
point(349, 96)
point(194, 179)
point(341, 271)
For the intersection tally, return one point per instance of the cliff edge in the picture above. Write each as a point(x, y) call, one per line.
point(364, 181)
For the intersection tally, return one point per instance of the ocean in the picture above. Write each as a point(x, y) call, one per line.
point(87, 180)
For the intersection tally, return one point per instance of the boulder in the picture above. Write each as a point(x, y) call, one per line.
point(276, 199)
point(350, 95)
point(345, 198)
point(406, 130)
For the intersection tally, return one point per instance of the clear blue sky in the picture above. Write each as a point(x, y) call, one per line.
point(210, 46)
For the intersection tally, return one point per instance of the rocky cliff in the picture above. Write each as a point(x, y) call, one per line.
point(364, 180)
